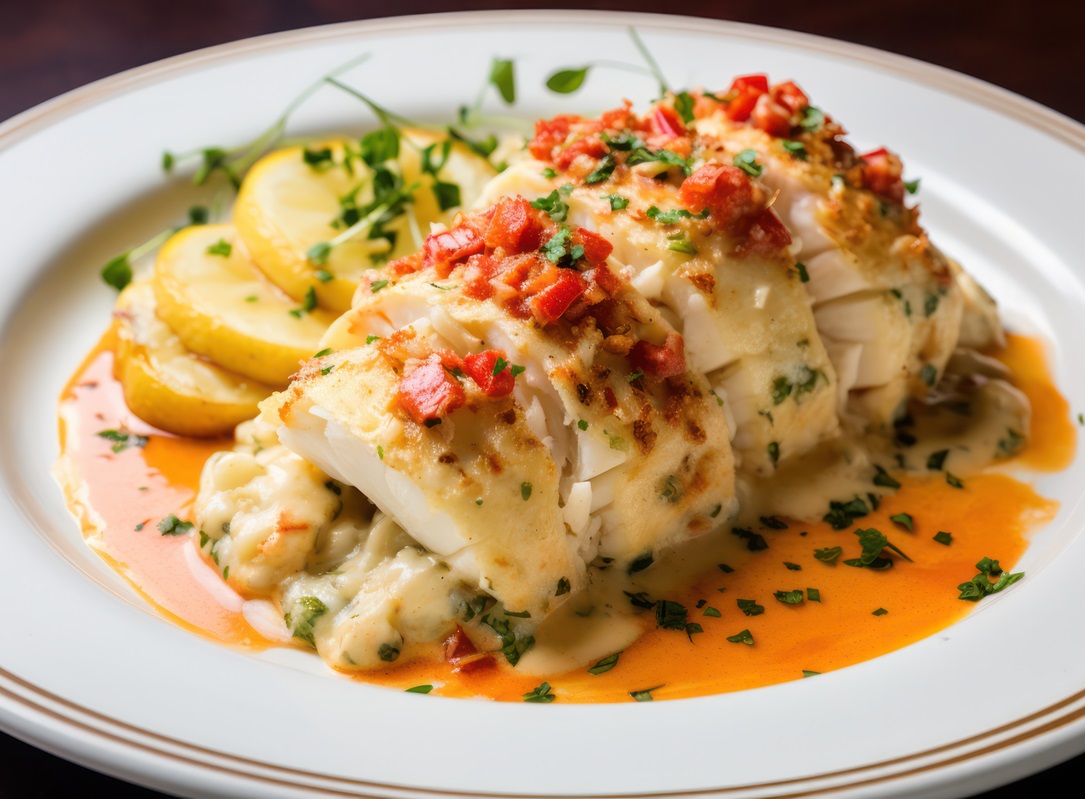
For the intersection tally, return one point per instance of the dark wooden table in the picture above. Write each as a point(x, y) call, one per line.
point(50, 46)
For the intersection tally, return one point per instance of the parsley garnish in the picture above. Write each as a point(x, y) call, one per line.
point(980, 585)
point(603, 170)
point(563, 584)
point(645, 694)
point(306, 611)
point(943, 537)
point(554, 206)
point(525, 491)
point(743, 637)
point(680, 242)
point(813, 594)
point(512, 646)
point(750, 607)
point(221, 247)
point(774, 452)
point(122, 441)
point(842, 514)
point(567, 81)
point(789, 597)
point(747, 162)
point(937, 460)
point(605, 665)
point(792, 567)
point(903, 519)
point(672, 216)
point(882, 478)
point(874, 543)
point(796, 149)
point(879, 612)
point(755, 542)
point(388, 653)
point(807, 673)
point(171, 525)
point(828, 554)
point(617, 201)
point(503, 78)
point(419, 689)
point(954, 481)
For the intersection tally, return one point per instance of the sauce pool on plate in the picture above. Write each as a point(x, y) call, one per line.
point(752, 618)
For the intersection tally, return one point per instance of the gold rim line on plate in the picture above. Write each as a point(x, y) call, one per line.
point(1002, 101)
point(200, 755)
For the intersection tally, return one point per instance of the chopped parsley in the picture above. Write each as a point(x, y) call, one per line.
point(743, 637)
point(796, 149)
point(879, 612)
point(671, 217)
point(388, 653)
point(617, 201)
point(605, 665)
point(221, 248)
point(750, 607)
point(645, 694)
point(747, 162)
point(603, 170)
point(513, 646)
point(904, 520)
point(828, 554)
point(755, 542)
point(554, 206)
point(525, 491)
point(564, 585)
point(121, 440)
point(171, 525)
point(943, 537)
point(804, 276)
point(541, 693)
point(936, 460)
point(813, 594)
point(789, 597)
point(774, 452)
point(792, 567)
point(679, 242)
point(306, 611)
point(884, 479)
point(980, 585)
point(419, 689)
point(842, 514)
point(954, 481)
point(874, 542)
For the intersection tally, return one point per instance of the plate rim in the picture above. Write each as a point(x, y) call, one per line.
point(1020, 109)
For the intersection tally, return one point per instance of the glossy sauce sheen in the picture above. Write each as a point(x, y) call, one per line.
point(115, 493)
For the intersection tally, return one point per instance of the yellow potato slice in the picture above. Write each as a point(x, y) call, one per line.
point(166, 385)
point(286, 206)
point(222, 307)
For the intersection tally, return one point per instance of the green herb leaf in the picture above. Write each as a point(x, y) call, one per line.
point(943, 537)
point(171, 525)
point(789, 597)
point(903, 519)
point(645, 694)
point(567, 81)
point(388, 653)
point(796, 149)
point(419, 689)
point(306, 611)
point(747, 162)
point(937, 460)
point(828, 554)
point(446, 194)
point(883, 478)
point(954, 481)
point(602, 171)
point(606, 664)
point(813, 594)
point(525, 491)
point(554, 206)
point(750, 607)
point(563, 586)
point(743, 637)
point(503, 78)
point(879, 612)
point(617, 201)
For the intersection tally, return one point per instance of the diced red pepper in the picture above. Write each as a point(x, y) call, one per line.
point(463, 655)
point(476, 277)
point(596, 248)
point(767, 236)
point(749, 83)
point(771, 116)
point(723, 189)
point(882, 171)
point(589, 144)
point(444, 250)
point(609, 282)
point(429, 391)
point(550, 303)
point(407, 265)
point(515, 226)
point(791, 97)
point(550, 133)
point(744, 92)
point(480, 368)
point(655, 361)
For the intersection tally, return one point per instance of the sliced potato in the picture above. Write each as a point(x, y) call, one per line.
point(286, 206)
point(221, 306)
point(166, 385)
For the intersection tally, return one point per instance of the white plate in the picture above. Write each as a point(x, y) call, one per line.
point(88, 671)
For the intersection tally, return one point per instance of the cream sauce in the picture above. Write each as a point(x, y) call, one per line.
point(120, 496)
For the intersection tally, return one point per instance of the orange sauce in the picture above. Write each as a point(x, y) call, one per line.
point(990, 516)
